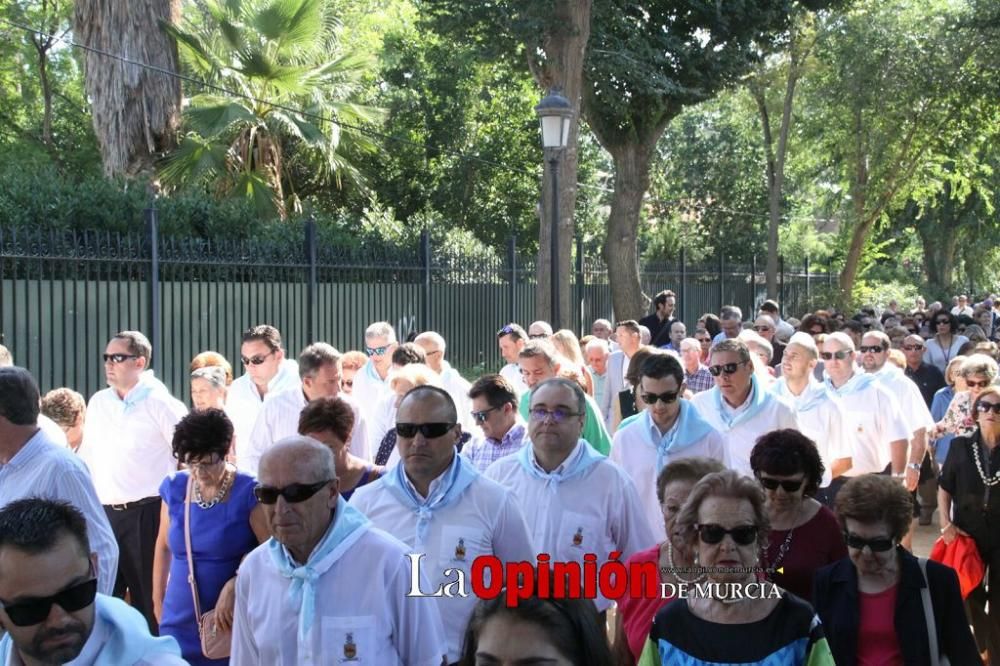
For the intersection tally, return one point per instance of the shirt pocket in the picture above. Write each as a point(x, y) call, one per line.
point(580, 534)
point(460, 545)
point(349, 640)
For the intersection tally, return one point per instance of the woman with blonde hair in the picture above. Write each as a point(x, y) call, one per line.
point(566, 344)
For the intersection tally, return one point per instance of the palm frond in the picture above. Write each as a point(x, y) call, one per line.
point(194, 158)
point(211, 115)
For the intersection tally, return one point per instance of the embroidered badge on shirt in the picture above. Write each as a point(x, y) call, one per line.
point(578, 537)
point(460, 550)
point(350, 649)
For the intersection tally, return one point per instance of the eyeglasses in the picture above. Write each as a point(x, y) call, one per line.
point(256, 360)
point(940, 322)
point(201, 465)
point(876, 545)
point(428, 430)
point(874, 349)
point(484, 414)
point(558, 415)
point(787, 486)
point(295, 493)
point(377, 351)
point(34, 611)
point(913, 347)
point(728, 368)
point(982, 384)
point(537, 336)
point(989, 407)
point(839, 355)
point(817, 332)
point(347, 382)
point(666, 398)
point(118, 358)
point(761, 328)
point(744, 535)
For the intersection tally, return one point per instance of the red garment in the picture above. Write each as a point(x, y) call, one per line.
point(962, 555)
point(878, 644)
point(637, 614)
point(814, 545)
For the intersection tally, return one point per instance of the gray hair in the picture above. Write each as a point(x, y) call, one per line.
point(734, 345)
point(979, 364)
point(381, 329)
point(598, 343)
point(542, 348)
point(213, 374)
point(315, 356)
point(690, 343)
point(841, 338)
point(730, 312)
point(432, 337)
point(581, 397)
point(319, 455)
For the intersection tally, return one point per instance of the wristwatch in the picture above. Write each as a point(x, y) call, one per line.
point(915, 466)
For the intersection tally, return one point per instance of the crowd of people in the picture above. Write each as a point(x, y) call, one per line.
point(330, 507)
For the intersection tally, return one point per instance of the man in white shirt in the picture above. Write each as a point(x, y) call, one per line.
point(738, 407)
point(668, 429)
point(31, 465)
point(575, 500)
point(439, 505)
point(821, 417)
point(511, 340)
point(963, 307)
point(328, 587)
point(601, 328)
point(454, 383)
point(597, 352)
point(268, 373)
point(49, 603)
point(127, 446)
point(372, 381)
point(540, 330)
point(629, 339)
point(880, 434)
point(731, 320)
point(319, 370)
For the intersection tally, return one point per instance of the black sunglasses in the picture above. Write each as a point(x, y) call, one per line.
point(876, 545)
point(479, 416)
point(295, 493)
point(788, 486)
point(989, 407)
point(666, 398)
point(34, 611)
point(942, 321)
point(913, 347)
point(428, 430)
point(874, 349)
point(118, 358)
point(255, 360)
point(711, 534)
point(839, 355)
point(537, 336)
point(728, 368)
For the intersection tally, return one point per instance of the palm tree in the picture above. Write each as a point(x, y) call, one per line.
point(136, 110)
point(278, 103)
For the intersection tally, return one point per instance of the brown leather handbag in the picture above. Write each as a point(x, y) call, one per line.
point(215, 643)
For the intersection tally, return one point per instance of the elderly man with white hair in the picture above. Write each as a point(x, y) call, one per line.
point(328, 587)
point(372, 381)
point(601, 328)
point(697, 378)
point(539, 329)
point(597, 352)
point(455, 384)
point(821, 416)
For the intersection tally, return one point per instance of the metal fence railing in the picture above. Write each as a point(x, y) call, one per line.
point(64, 294)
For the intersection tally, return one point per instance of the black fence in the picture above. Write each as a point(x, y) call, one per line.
point(63, 295)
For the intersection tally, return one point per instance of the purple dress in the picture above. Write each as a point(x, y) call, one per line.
point(220, 537)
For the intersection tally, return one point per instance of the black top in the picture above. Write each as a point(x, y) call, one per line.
point(836, 598)
point(929, 379)
point(657, 328)
point(973, 508)
point(778, 348)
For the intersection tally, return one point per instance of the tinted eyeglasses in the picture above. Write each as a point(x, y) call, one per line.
point(557, 415)
point(537, 336)
point(428, 430)
point(874, 349)
point(117, 358)
point(377, 351)
point(985, 407)
point(728, 368)
point(744, 535)
point(255, 360)
point(980, 384)
point(295, 493)
point(876, 545)
point(484, 414)
point(913, 347)
point(839, 355)
point(665, 398)
point(34, 611)
point(940, 322)
point(787, 486)
point(761, 328)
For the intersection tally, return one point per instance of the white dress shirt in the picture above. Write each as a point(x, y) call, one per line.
point(742, 437)
point(458, 387)
point(279, 418)
point(597, 511)
point(45, 469)
point(243, 401)
point(907, 393)
point(512, 373)
point(360, 605)
point(484, 520)
point(875, 420)
point(127, 442)
point(369, 389)
point(822, 419)
point(634, 449)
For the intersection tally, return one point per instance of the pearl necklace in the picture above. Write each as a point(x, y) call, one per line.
point(989, 481)
point(227, 479)
point(673, 567)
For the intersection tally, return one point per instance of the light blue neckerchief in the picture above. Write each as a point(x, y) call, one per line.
point(146, 385)
point(758, 400)
point(811, 398)
point(582, 457)
point(372, 373)
point(688, 429)
point(859, 382)
point(455, 480)
point(348, 526)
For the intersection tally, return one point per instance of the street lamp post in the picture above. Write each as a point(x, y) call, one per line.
point(555, 114)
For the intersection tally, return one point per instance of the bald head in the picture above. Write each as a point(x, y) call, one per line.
point(300, 458)
point(427, 398)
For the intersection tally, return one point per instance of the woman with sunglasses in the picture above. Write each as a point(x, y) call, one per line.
point(672, 556)
point(804, 535)
point(978, 372)
point(969, 503)
point(741, 619)
point(872, 603)
point(226, 524)
point(946, 341)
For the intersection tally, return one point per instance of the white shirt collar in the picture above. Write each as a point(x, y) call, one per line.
point(565, 464)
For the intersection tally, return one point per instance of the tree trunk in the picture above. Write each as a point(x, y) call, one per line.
point(565, 48)
point(940, 244)
point(632, 161)
point(43, 78)
point(136, 111)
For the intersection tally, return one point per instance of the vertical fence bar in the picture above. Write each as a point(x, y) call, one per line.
point(781, 287)
point(311, 287)
point(753, 282)
point(512, 283)
point(425, 258)
point(684, 284)
point(580, 285)
point(808, 288)
point(722, 279)
point(155, 324)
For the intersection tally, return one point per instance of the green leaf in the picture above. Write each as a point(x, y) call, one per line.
point(211, 115)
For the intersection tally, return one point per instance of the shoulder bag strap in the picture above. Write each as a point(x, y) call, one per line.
point(925, 596)
point(187, 546)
